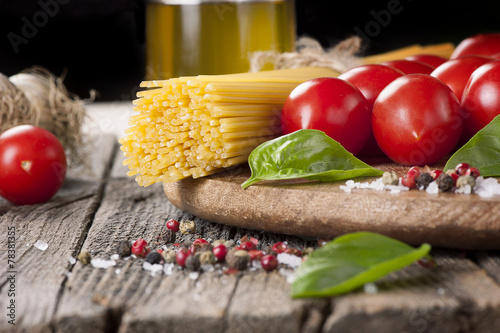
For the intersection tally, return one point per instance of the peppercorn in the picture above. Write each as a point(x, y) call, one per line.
point(307, 251)
point(168, 256)
point(153, 257)
point(193, 262)
point(207, 258)
point(187, 227)
point(269, 262)
point(445, 182)
point(124, 249)
point(167, 236)
point(238, 259)
point(390, 178)
point(423, 180)
point(229, 243)
point(217, 242)
point(84, 257)
point(462, 181)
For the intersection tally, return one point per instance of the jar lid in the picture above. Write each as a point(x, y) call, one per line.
point(199, 2)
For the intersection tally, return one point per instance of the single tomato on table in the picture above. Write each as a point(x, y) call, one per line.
point(481, 98)
point(32, 165)
point(371, 80)
point(331, 105)
point(416, 120)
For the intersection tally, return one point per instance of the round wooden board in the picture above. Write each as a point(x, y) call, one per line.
point(314, 209)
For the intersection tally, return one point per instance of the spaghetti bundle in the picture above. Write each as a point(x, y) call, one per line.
point(196, 126)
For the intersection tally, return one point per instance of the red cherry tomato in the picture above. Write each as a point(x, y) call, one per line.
point(428, 59)
point(32, 165)
point(456, 72)
point(416, 120)
point(481, 44)
point(370, 80)
point(410, 66)
point(331, 105)
point(481, 98)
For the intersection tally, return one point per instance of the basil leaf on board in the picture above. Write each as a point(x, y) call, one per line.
point(482, 151)
point(306, 153)
point(351, 260)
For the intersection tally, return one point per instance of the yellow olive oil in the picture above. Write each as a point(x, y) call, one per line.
point(213, 37)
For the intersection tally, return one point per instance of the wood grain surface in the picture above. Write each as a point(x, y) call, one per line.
point(315, 209)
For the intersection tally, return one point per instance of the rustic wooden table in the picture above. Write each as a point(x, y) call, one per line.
point(45, 290)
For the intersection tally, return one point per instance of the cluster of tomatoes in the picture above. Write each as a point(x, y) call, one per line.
point(414, 110)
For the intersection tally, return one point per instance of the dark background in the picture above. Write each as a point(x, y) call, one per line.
point(99, 44)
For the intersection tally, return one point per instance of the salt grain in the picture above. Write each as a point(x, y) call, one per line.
point(376, 185)
point(117, 271)
point(288, 274)
point(41, 245)
point(168, 269)
point(486, 188)
point(102, 263)
point(194, 275)
point(289, 259)
point(71, 260)
point(370, 288)
point(432, 188)
point(153, 268)
point(114, 257)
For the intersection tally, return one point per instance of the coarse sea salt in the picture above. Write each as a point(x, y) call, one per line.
point(153, 268)
point(168, 269)
point(376, 185)
point(41, 245)
point(487, 187)
point(72, 260)
point(102, 263)
point(432, 188)
point(289, 259)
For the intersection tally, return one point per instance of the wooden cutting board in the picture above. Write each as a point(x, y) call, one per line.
point(315, 209)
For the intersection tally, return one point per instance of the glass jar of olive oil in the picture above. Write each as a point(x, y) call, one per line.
point(193, 37)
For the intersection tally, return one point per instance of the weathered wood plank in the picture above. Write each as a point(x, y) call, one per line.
point(489, 261)
point(62, 223)
point(457, 296)
point(92, 296)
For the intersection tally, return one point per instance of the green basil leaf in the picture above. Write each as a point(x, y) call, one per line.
point(482, 151)
point(306, 153)
point(350, 261)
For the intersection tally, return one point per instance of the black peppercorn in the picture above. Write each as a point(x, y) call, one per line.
point(193, 262)
point(445, 182)
point(423, 180)
point(153, 257)
point(167, 236)
point(124, 249)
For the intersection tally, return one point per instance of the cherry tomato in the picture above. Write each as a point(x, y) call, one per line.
point(416, 120)
point(428, 59)
point(481, 98)
point(410, 66)
point(456, 72)
point(331, 105)
point(482, 44)
point(370, 80)
point(32, 165)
